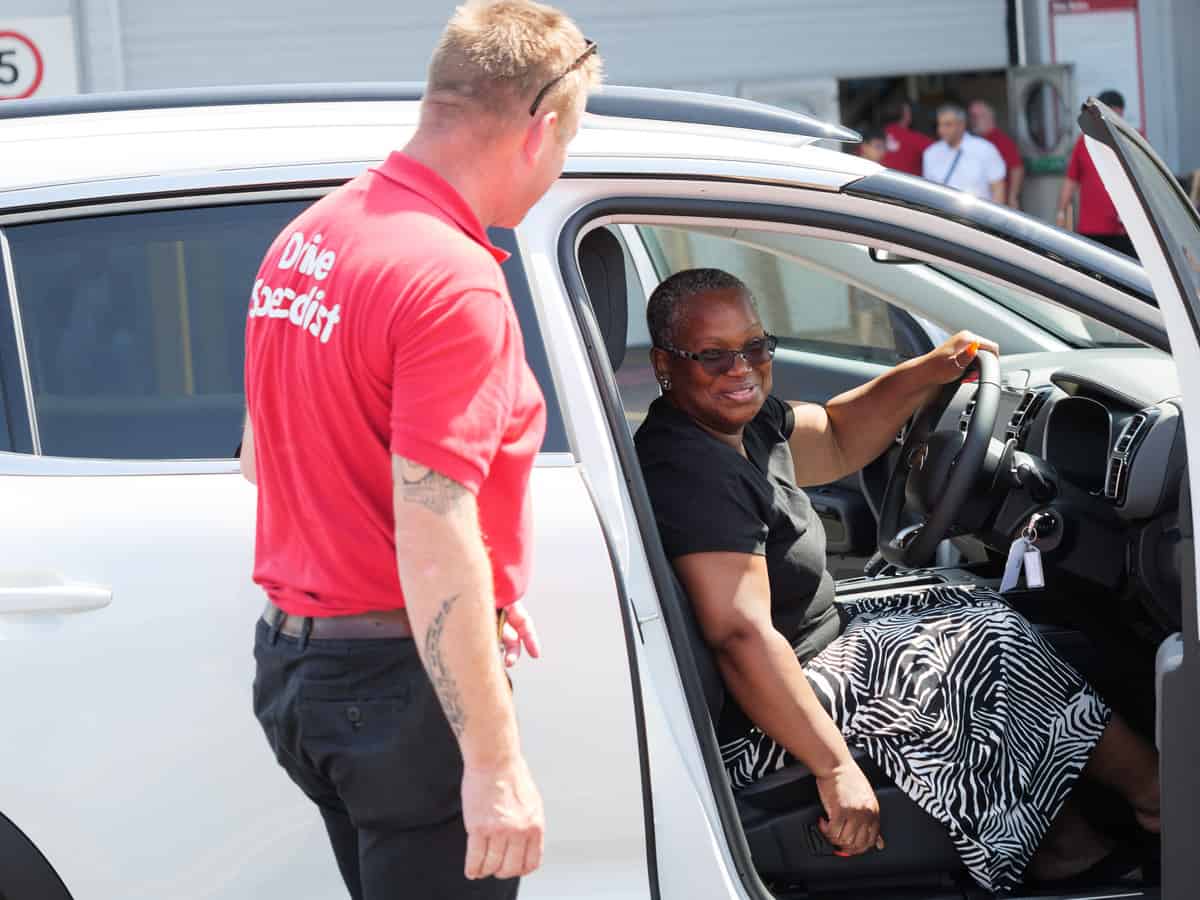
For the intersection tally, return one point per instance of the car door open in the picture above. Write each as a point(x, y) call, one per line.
point(1165, 230)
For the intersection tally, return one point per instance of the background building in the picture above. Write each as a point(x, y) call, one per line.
point(838, 59)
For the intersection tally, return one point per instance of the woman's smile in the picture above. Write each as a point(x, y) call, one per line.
point(745, 392)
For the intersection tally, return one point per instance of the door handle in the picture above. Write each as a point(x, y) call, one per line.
point(49, 592)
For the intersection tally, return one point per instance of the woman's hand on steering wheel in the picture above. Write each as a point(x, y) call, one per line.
point(852, 809)
point(947, 362)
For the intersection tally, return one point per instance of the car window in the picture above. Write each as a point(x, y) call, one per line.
point(806, 307)
point(1075, 328)
point(134, 328)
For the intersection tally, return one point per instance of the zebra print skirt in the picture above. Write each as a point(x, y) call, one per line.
point(961, 702)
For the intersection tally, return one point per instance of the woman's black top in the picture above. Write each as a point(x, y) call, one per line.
point(707, 497)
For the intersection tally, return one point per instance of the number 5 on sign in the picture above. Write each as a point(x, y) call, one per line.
point(21, 66)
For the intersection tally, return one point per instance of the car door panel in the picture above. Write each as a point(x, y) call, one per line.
point(134, 761)
point(1165, 230)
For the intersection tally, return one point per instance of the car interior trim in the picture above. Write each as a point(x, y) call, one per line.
point(10, 278)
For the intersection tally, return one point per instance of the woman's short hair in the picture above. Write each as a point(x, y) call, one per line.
point(495, 55)
point(668, 304)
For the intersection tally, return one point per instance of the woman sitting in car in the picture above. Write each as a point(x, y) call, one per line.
point(952, 693)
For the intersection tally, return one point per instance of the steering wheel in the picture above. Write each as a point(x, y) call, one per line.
point(937, 469)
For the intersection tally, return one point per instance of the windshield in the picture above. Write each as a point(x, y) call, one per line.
point(1071, 327)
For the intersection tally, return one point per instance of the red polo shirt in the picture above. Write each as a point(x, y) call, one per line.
point(1008, 150)
point(905, 149)
point(380, 324)
point(1097, 214)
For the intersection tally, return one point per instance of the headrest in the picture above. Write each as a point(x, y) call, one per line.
point(602, 265)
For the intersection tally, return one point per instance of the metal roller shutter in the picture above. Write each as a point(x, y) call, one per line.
point(660, 43)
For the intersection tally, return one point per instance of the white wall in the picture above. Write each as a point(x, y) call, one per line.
point(134, 44)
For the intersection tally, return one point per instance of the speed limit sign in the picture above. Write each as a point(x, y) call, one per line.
point(22, 67)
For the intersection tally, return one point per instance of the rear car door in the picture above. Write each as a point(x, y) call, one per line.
point(1165, 230)
point(131, 759)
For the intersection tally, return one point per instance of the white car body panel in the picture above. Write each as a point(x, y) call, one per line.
point(152, 777)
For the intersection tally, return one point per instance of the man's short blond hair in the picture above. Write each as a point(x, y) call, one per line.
point(495, 55)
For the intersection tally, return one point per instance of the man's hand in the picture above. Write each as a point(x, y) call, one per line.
point(502, 810)
point(518, 630)
point(946, 363)
point(852, 809)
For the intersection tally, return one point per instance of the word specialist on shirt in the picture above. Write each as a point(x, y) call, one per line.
point(304, 310)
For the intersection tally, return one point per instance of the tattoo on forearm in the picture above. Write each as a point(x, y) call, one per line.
point(439, 671)
point(421, 484)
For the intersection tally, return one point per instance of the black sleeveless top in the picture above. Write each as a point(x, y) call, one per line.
point(707, 497)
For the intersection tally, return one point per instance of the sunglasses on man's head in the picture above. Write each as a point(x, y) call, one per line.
point(541, 95)
point(718, 362)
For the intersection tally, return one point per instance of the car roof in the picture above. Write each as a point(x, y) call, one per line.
point(67, 145)
point(103, 137)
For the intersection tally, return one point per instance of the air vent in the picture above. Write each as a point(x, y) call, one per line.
point(1130, 432)
point(1122, 455)
point(1030, 403)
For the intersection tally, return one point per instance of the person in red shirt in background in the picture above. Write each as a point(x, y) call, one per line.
point(983, 123)
point(905, 147)
point(874, 145)
point(1098, 217)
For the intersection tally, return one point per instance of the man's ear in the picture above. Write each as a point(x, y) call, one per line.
point(538, 134)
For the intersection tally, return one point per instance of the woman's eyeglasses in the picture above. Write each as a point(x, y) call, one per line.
point(718, 362)
point(541, 95)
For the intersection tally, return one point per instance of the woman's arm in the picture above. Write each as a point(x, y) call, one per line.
point(835, 440)
point(732, 598)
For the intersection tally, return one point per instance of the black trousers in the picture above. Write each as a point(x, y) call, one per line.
point(358, 727)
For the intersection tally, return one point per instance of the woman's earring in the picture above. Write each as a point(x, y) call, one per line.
point(665, 382)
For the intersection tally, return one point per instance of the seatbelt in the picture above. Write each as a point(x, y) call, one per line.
point(953, 166)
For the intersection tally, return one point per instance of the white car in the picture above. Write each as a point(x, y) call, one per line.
point(130, 230)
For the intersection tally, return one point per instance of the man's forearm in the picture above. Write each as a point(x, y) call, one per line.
point(767, 681)
point(447, 581)
point(997, 189)
point(1016, 178)
point(1065, 195)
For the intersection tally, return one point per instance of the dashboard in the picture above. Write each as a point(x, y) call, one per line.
point(1109, 421)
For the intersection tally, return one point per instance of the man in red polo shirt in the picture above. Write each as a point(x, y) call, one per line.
point(983, 123)
point(392, 427)
point(1098, 217)
point(905, 147)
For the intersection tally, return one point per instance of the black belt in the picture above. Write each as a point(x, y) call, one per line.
point(389, 623)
